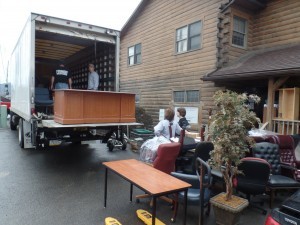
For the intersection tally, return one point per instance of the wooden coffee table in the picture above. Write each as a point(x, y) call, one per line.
point(152, 181)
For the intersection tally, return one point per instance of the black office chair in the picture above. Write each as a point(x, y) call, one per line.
point(202, 151)
point(254, 178)
point(187, 143)
point(199, 193)
point(270, 153)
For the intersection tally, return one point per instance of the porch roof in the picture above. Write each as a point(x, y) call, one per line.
point(261, 64)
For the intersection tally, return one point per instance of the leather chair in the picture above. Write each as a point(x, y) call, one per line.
point(202, 151)
point(165, 162)
point(288, 156)
point(254, 178)
point(199, 194)
point(270, 153)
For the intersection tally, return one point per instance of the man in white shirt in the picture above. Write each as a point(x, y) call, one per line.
point(93, 79)
point(167, 127)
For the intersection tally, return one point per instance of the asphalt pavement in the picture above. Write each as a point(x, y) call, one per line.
point(64, 185)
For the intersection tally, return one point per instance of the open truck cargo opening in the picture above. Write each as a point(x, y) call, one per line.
point(44, 42)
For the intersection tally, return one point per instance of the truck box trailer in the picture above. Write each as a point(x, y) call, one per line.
point(44, 42)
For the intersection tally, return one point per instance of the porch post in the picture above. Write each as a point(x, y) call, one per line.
point(270, 103)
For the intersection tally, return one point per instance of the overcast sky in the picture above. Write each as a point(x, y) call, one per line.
point(13, 14)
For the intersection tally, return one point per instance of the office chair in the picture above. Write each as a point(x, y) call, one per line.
point(42, 98)
point(199, 194)
point(254, 178)
point(202, 151)
point(270, 153)
point(165, 162)
point(288, 155)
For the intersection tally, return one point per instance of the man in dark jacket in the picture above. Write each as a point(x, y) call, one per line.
point(61, 79)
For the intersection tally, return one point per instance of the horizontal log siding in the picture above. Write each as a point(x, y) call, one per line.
point(278, 24)
point(233, 51)
point(162, 70)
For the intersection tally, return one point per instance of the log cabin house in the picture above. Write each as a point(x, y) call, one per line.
point(178, 53)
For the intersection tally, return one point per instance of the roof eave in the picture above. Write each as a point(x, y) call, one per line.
point(253, 75)
point(133, 15)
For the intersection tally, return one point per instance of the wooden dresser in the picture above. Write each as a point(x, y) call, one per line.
point(85, 106)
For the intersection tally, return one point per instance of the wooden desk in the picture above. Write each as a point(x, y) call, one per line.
point(152, 181)
point(73, 106)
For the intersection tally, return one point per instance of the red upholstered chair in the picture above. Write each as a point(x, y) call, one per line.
point(288, 157)
point(165, 162)
point(166, 157)
point(266, 138)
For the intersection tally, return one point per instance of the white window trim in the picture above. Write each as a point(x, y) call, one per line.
point(246, 33)
point(201, 38)
point(134, 55)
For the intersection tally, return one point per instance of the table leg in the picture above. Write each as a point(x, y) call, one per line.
point(131, 188)
point(154, 210)
point(185, 207)
point(105, 188)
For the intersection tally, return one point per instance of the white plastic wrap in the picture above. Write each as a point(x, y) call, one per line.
point(149, 148)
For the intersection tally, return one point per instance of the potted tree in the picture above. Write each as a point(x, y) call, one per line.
point(228, 130)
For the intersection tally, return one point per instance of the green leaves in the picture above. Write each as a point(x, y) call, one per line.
point(228, 129)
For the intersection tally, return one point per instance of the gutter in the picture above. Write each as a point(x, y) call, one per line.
point(227, 6)
point(254, 74)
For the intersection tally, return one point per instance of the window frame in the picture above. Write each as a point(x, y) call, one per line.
point(134, 55)
point(188, 38)
point(185, 96)
point(245, 34)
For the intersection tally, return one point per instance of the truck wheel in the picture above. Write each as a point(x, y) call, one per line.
point(110, 146)
point(124, 145)
point(12, 125)
point(21, 133)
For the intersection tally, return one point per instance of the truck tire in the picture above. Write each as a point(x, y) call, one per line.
point(124, 145)
point(110, 146)
point(12, 125)
point(21, 133)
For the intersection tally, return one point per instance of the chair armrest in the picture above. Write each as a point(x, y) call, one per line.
point(286, 166)
point(191, 179)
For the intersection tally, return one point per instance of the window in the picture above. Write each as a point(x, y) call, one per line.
point(189, 37)
point(186, 96)
point(192, 96)
point(178, 96)
point(239, 32)
point(134, 54)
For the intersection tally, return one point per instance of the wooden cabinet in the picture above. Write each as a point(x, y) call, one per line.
point(289, 103)
point(82, 106)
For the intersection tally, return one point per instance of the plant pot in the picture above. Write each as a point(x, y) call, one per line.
point(228, 212)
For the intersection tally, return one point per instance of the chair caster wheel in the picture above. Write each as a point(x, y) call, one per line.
point(173, 220)
point(137, 200)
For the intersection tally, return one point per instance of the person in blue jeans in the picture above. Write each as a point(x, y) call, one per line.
point(61, 79)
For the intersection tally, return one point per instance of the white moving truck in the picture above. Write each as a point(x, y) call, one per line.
point(43, 43)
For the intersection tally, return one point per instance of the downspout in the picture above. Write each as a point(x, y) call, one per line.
point(228, 5)
point(117, 62)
